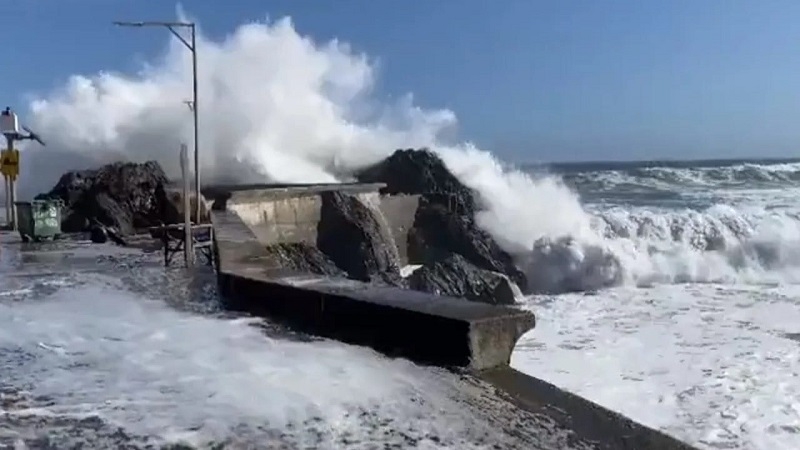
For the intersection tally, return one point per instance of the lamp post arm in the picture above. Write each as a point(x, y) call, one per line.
point(177, 35)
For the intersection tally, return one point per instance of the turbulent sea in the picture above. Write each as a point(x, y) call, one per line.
point(703, 338)
point(681, 312)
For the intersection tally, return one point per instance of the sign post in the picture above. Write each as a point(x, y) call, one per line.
point(7, 190)
point(9, 126)
point(9, 159)
point(9, 167)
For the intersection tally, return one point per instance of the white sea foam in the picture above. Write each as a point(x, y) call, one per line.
point(715, 365)
point(94, 348)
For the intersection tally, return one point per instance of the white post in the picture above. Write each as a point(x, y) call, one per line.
point(14, 223)
point(8, 199)
point(12, 183)
point(188, 251)
point(9, 185)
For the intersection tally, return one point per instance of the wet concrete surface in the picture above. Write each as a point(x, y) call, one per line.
point(428, 408)
point(139, 266)
point(475, 416)
point(31, 272)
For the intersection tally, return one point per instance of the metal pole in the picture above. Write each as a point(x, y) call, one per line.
point(7, 181)
point(192, 46)
point(7, 184)
point(196, 130)
point(12, 185)
point(188, 252)
point(13, 204)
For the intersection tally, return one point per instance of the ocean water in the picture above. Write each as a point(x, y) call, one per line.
point(699, 334)
point(680, 312)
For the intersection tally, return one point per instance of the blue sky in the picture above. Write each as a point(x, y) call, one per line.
point(558, 80)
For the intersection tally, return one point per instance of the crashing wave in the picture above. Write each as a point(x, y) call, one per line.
point(644, 247)
point(669, 178)
point(307, 113)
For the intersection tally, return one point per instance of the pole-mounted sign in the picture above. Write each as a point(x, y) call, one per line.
point(9, 163)
point(9, 158)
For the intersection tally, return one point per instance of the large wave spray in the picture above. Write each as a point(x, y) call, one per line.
point(275, 106)
point(279, 106)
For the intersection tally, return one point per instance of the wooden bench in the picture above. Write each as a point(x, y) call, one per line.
point(172, 238)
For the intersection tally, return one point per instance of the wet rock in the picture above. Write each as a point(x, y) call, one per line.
point(304, 257)
point(72, 221)
point(116, 237)
point(445, 219)
point(413, 171)
point(98, 235)
point(457, 277)
point(356, 237)
point(438, 231)
point(125, 196)
point(170, 200)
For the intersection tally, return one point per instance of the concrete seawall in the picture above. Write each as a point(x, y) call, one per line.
point(287, 214)
point(446, 331)
point(430, 329)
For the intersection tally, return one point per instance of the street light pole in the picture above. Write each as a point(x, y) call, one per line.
point(196, 130)
point(193, 48)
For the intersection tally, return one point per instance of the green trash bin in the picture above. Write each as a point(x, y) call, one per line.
point(39, 219)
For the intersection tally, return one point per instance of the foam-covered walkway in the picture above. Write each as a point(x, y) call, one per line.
point(102, 347)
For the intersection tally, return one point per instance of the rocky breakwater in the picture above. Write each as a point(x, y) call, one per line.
point(449, 253)
point(457, 257)
point(119, 199)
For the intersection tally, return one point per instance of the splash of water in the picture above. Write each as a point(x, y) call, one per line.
point(275, 105)
point(279, 106)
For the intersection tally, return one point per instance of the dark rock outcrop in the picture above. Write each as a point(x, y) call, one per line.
point(98, 235)
point(170, 200)
point(445, 219)
point(413, 171)
point(457, 277)
point(303, 257)
point(438, 231)
point(125, 196)
point(357, 239)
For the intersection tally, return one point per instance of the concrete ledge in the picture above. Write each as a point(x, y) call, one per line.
point(607, 429)
point(431, 329)
point(221, 195)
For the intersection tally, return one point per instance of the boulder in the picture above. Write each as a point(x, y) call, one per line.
point(439, 231)
point(72, 221)
point(445, 219)
point(356, 237)
point(98, 235)
point(170, 198)
point(455, 276)
point(125, 196)
point(417, 172)
point(303, 257)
